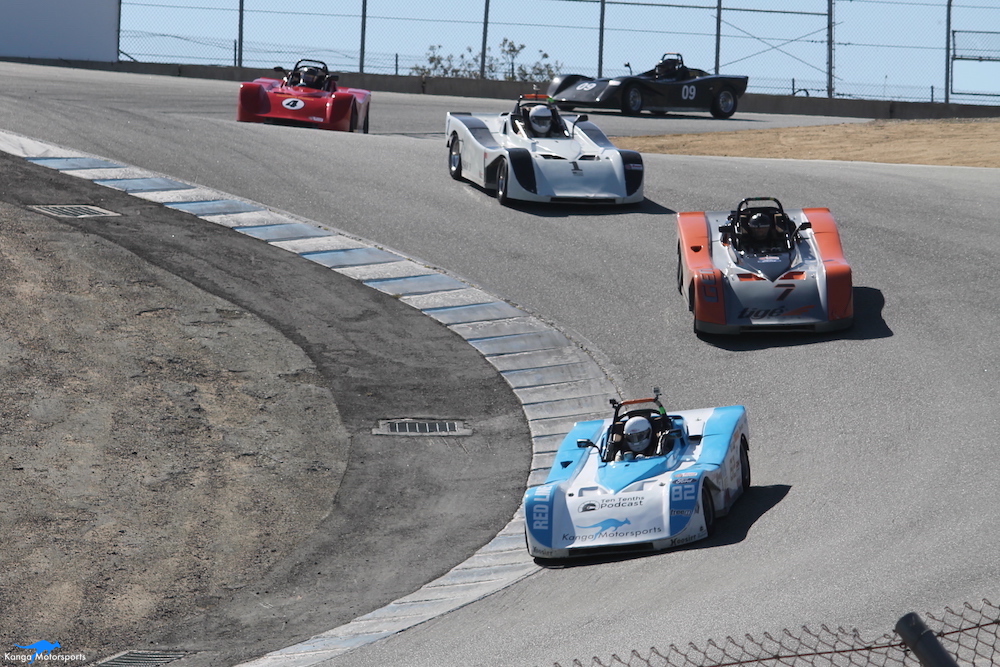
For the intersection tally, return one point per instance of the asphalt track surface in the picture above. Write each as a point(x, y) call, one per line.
point(873, 450)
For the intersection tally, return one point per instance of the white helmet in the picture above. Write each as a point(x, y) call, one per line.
point(540, 118)
point(637, 434)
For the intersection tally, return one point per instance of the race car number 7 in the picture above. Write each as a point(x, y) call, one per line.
point(787, 287)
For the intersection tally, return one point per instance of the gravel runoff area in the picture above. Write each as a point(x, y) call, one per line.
point(954, 142)
point(187, 415)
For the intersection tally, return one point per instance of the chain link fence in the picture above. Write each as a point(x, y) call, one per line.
point(968, 637)
point(907, 50)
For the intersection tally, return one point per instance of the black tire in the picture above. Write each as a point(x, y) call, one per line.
point(503, 180)
point(724, 103)
point(364, 128)
point(708, 509)
point(632, 100)
point(694, 315)
point(680, 271)
point(744, 465)
point(354, 119)
point(454, 158)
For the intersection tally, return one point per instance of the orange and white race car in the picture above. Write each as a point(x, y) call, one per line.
point(763, 268)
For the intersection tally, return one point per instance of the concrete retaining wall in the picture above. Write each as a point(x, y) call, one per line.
point(774, 104)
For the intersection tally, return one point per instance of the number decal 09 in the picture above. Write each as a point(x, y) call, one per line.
point(589, 85)
point(688, 92)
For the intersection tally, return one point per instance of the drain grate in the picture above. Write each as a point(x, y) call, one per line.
point(74, 211)
point(420, 427)
point(143, 658)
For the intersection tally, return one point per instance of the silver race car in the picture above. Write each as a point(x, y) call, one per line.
point(536, 154)
point(763, 268)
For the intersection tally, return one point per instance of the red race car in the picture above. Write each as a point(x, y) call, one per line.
point(308, 96)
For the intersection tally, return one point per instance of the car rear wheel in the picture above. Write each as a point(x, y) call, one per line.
point(364, 128)
point(632, 100)
point(724, 103)
point(455, 157)
point(354, 119)
point(707, 508)
point(502, 183)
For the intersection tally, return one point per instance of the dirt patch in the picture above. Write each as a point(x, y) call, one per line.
point(151, 465)
point(952, 142)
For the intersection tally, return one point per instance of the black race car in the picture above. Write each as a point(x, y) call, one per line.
point(670, 86)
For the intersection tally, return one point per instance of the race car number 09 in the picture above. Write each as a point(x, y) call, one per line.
point(586, 86)
point(685, 492)
point(688, 92)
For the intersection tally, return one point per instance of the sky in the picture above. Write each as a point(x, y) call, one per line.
point(884, 49)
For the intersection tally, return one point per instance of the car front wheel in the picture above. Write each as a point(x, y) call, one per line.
point(708, 508)
point(744, 466)
point(455, 157)
point(502, 183)
point(724, 103)
point(632, 101)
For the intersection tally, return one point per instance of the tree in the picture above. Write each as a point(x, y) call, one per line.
point(504, 68)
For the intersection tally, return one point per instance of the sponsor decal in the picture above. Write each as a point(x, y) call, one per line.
point(316, 119)
point(611, 527)
point(576, 169)
point(612, 503)
point(634, 166)
point(680, 512)
point(763, 313)
point(685, 480)
point(292, 103)
point(41, 651)
point(677, 541)
point(685, 474)
point(541, 508)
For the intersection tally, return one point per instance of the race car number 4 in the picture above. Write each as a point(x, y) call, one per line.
point(293, 103)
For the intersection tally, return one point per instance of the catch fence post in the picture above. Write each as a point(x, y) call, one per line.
point(924, 644)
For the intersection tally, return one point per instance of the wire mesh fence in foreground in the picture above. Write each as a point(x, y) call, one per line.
point(969, 637)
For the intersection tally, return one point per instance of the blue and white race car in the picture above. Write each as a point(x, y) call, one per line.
point(536, 154)
point(642, 480)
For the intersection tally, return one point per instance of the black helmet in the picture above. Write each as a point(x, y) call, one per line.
point(758, 226)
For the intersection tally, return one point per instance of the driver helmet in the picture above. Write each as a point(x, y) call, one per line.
point(759, 225)
point(310, 77)
point(637, 434)
point(540, 118)
point(667, 67)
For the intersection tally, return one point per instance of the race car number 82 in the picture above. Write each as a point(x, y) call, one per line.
point(683, 492)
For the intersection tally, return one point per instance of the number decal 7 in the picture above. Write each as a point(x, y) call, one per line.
point(787, 287)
